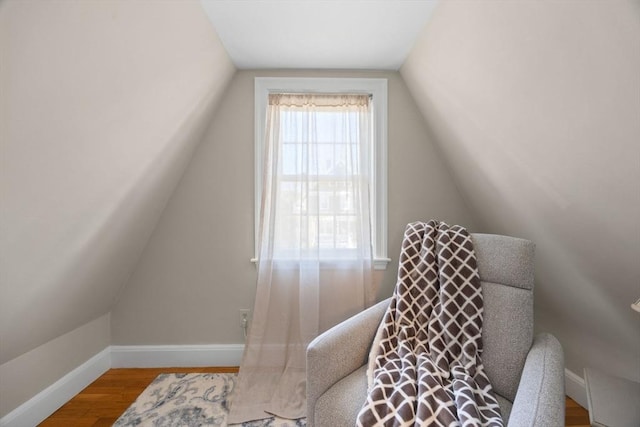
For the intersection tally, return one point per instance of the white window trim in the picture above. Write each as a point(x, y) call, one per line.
point(377, 88)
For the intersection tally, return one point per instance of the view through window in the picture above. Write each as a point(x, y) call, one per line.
point(328, 148)
point(323, 183)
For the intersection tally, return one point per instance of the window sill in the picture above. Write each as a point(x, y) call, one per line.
point(378, 263)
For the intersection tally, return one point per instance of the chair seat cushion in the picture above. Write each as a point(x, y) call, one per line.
point(505, 407)
point(340, 404)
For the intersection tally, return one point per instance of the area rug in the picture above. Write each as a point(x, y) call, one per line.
point(190, 400)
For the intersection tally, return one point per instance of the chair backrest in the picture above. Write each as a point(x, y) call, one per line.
point(506, 267)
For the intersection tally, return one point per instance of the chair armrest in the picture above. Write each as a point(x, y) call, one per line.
point(339, 351)
point(540, 400)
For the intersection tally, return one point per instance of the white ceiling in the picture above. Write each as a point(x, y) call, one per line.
point(327, 34)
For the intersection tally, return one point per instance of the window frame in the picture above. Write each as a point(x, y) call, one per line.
point(377, 89)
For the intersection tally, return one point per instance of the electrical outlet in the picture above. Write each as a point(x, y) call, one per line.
point(244, 320)
point(244, 317)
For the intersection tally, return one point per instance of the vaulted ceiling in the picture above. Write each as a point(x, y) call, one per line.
point(534, 107)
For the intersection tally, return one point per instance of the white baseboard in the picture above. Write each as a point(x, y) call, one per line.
point(575, 388)
point(45, 403)
point(185, 356)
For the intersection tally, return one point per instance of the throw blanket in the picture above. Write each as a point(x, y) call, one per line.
point(424, 366)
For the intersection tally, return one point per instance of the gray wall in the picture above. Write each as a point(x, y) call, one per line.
point(536, 106)
point(195, 273)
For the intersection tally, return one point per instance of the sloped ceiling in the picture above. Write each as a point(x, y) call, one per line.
point(536, 106)
point(101, 106)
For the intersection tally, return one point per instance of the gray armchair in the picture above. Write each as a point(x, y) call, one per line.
point(526, 372)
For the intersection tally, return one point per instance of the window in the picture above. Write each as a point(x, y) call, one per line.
point(332, 155)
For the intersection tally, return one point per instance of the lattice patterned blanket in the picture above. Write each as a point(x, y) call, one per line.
point(425, 367)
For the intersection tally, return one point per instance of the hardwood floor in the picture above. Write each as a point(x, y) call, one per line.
point(104, 400)
point(575, 415)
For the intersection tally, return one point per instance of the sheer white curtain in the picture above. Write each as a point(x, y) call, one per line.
point(315, 257)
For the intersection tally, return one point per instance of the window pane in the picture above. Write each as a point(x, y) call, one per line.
point(346, 232)
point(325, 159)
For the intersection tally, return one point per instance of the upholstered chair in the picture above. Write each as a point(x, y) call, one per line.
point(526, 371)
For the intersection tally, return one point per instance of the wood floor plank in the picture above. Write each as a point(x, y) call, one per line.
point(70, 421)
point(104, 422)
point(575, 415)
point(103, 401)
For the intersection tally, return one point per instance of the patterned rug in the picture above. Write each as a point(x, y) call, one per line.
point(190, 400)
